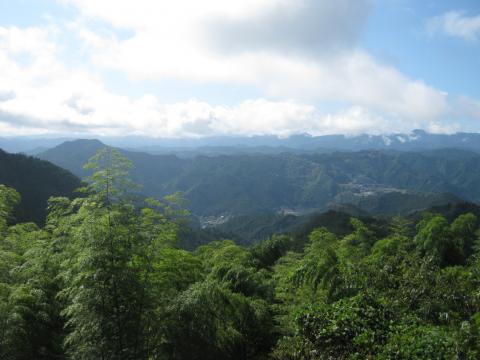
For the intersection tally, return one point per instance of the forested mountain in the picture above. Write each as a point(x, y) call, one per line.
point(377, 182)
point(105, 279)
point(36, 180)
point(72, 155)
point(251, 229)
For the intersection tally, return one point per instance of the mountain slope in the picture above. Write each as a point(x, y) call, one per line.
point(36, 180)
point(72, 155)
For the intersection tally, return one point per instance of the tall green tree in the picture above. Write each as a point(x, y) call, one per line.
point(111, 265)
point(9, 198)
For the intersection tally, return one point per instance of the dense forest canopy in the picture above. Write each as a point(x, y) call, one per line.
point(104, 278)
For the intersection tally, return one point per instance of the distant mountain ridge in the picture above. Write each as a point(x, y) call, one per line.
point(416, 140)
point(230, 145)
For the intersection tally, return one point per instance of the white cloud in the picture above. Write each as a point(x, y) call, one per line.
point(6, 95)
point(32, 40)
point(164, 14)
point(38, 100)
point(277, 48)
point(40, 93)
point(66, 100)
point(304, 27)
point(456, 24)
point(354, 78)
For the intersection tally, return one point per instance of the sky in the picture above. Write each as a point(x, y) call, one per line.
point(199, 68)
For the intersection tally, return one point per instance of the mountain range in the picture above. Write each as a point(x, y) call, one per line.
point(378, 182)
point(229, 145)
point(250, 195)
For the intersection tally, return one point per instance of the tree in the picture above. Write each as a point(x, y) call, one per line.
point(320, 266)
point(227, 314)
point(435, 239)
point(9, 198)
point(351, 328)
point(111, 265)
point(270, 250)
point(30, 323)
point(464, 229)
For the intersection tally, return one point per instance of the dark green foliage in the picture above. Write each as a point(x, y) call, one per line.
point(448, 244)
point(449, 211)
point(339, 223)
point(392, 298)
point(396, 202)
point(9, 199)
point(349, 328)
point(30, 322)
point(36, 181)
point(270, 250)
point(210, 321)
point(423, 342)
point(111, 271)
point(248, 229)
point(464, 231)
point(190, 237)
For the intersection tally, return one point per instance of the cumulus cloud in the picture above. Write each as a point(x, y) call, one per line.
point(283, 48)
point(309, 27)
point(456, 24)
point(354, 77)
point(194, 118)
point(6, 95)
point(31, 40)
point(75, 101)
point(295, 53)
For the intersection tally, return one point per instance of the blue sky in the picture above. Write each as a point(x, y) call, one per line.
point(238, 67)
point(397, 33)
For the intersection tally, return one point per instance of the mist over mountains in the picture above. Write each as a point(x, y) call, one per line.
point(189, 147)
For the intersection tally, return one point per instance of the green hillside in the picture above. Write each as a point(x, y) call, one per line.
point(36, 180)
